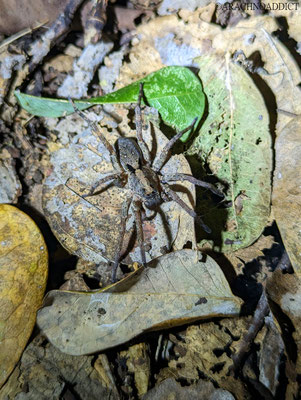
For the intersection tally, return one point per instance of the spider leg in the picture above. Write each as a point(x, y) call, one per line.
point(163, 157)
point(96, 132)
point(124, 215)
point(184, 177)
point(139, 227)
point(111, 177)
point(173, 196)
point(138, 121)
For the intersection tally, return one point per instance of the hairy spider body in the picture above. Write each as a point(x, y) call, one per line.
point(96, 220)
point(142, 180)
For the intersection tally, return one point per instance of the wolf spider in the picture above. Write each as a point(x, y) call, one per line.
point(136, 171)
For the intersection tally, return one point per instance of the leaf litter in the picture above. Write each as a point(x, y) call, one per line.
point(231, 119)
point(280, 72)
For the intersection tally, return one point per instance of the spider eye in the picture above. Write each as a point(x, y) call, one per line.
point(130, 168)
point(151, 195)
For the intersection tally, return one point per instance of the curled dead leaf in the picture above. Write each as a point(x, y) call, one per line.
point(175, 289)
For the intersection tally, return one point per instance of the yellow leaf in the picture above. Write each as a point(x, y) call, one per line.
point(23, 276)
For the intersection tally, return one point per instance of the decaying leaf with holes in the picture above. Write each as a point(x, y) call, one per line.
point(206, 349)
point(174, 289)
point(235, 143)
point(23, 275)
point(90, 226)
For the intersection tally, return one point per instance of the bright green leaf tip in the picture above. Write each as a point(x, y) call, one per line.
point(174, 91)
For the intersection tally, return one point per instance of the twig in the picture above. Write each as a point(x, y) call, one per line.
point(261, 311)
point(20, 34)
point(41, 47)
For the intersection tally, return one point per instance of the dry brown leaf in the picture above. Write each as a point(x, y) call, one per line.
point(23, 275)
point(103, 369)
point(138, 363)
point(294, 31)
point(45, 373)
point(19, 14)
point(205, 349)
point(286, 197)
point(270, 354)
point(125, 17)
point(175, 289)
point(89, 227)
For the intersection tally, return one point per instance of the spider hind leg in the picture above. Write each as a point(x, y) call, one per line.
point(173, 196)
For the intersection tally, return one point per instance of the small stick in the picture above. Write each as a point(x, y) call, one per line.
point(55, 31)
point(20, 34)
point(95, 21)
point(261, 312)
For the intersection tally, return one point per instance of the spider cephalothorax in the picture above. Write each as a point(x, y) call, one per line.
point(141, 179)
point(136, 184)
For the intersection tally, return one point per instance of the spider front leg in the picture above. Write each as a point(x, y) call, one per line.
point(173, 196)
point(138, 122)
point(96, 132)
point(164, 155)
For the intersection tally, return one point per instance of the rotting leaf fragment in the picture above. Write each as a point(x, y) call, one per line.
point(167, 294)
point(235, 143)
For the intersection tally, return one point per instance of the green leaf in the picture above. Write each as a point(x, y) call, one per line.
point(174, 91)
point(235, 143)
